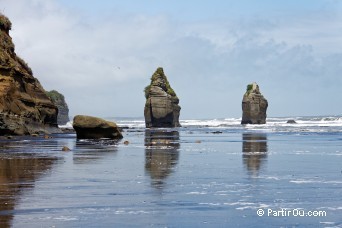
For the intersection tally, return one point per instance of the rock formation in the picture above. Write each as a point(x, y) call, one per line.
point(88, 127)
point(161, 107)
point(63, 110)
point(24, 106)
point(254, 106)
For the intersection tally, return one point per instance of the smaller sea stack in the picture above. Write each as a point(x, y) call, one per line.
point(254, 106)
point(161, 107)
point(63, 110)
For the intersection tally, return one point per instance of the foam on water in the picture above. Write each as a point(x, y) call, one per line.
point(67, 125)
point(302, 181)
point(273, 124)
point(211, 122)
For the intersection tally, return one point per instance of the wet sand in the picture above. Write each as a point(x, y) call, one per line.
point(175, 178)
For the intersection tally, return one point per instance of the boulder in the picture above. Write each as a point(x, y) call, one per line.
point(291, 122)
point(88, 127)
point(24, 106)
point(254, 106)
point(161, 107)
point(63, 110)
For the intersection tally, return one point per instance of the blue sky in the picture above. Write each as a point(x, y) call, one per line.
point(203, 9)
point(210, 51)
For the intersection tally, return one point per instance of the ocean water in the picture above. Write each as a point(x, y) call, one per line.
point(208, 173)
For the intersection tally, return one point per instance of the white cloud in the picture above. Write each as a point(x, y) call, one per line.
point(103, 63)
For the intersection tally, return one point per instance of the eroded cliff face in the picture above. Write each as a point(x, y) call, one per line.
point(24, 106)
point(63, 109)
point(254, 106)
point(161, 107)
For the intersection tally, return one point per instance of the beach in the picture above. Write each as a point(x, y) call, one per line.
point(207, 173)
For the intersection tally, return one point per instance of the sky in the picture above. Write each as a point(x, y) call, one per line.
point(101, 54)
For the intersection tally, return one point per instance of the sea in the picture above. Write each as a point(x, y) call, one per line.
point(207, 173)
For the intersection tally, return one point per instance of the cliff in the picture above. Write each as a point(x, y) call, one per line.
point(24, 106)
point(161, 107)
point(63, 110)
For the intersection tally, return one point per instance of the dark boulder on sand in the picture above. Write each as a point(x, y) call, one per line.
point(88, 127)
point(161, 107)
point(24, 106)
point(63, 110)
point(254, 106)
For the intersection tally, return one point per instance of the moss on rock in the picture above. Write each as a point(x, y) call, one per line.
point(159, 73)
point(55, 96)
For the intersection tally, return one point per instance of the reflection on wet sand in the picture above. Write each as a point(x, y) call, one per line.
point(18, 174)
point(161, 154)
point(254, 151)
point(88, 151)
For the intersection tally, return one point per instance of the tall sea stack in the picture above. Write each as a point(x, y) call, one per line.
point(161, 108)
point(254, 106)
point(24, 106)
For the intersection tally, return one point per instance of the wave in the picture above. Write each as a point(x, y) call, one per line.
point(273, 124)
point(67, 125)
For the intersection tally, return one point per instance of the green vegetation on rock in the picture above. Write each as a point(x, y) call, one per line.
point(249, 88)
point(160, 73)
point(54, 95)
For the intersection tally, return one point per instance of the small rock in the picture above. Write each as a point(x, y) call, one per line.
point(9, 137)
point(198, 141)
point(291, 122)
point(217, 132)
point(68, 130)
point(47, 137)
point(89, 127)
point(34, 135)
point(126, 142)
point(65, 148)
